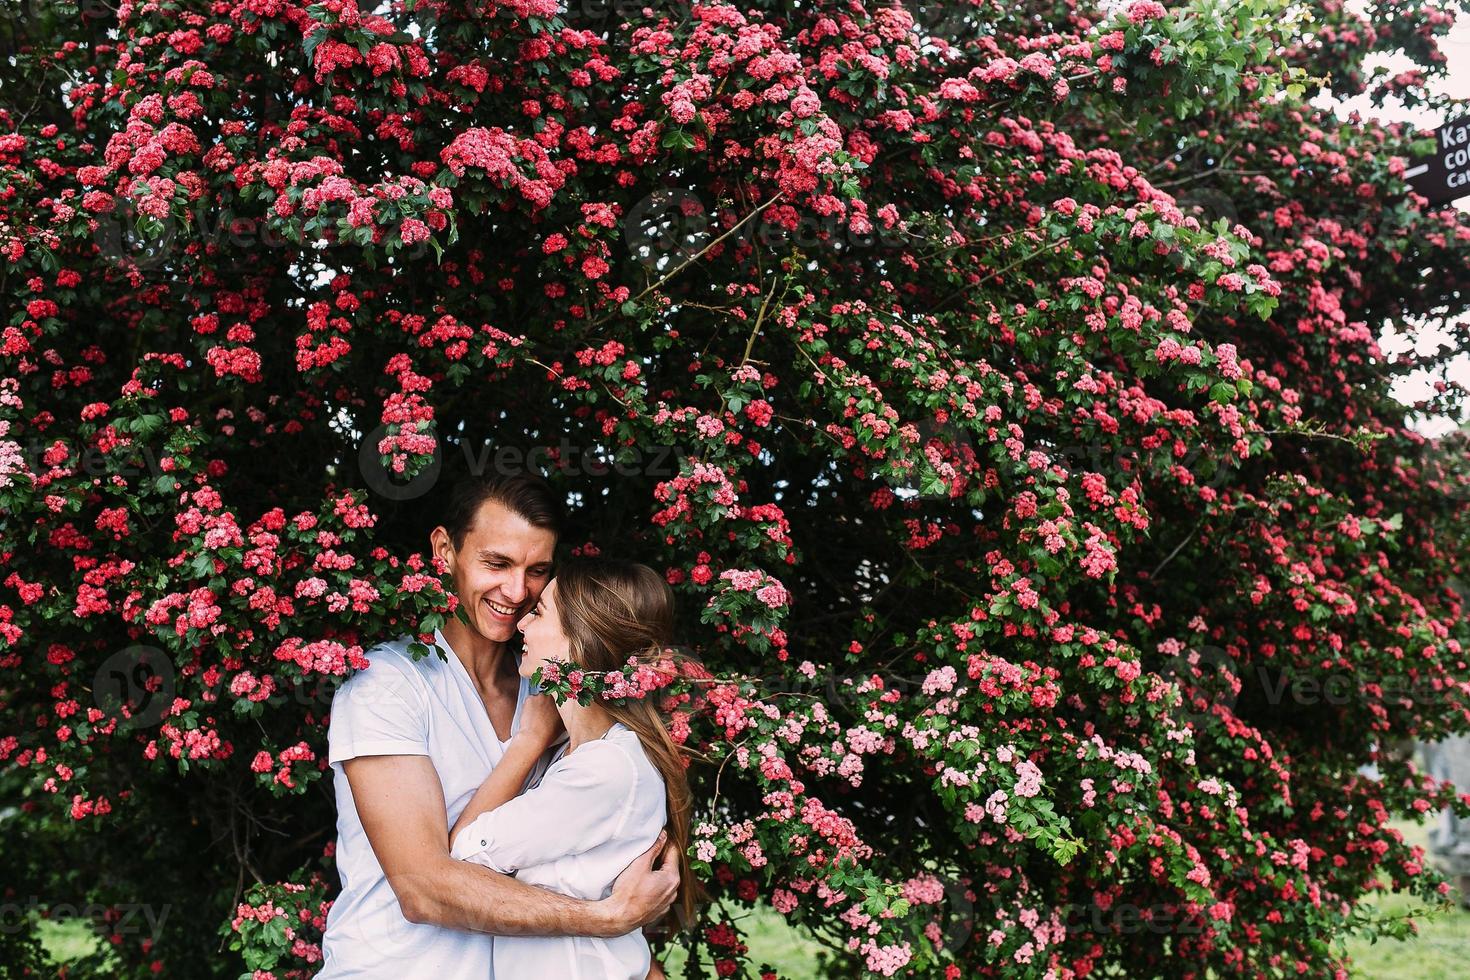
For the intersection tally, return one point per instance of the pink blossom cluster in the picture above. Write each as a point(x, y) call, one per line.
point(505, 159)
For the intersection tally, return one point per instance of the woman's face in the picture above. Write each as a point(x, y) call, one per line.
point(541, 629)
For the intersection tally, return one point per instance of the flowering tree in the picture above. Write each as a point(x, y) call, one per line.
point(996, 383)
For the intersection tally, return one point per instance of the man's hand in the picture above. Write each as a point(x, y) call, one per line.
point(541, 723)
point(401, 803)
point(643, 894)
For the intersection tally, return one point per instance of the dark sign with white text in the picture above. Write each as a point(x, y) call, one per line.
point(1444, 175)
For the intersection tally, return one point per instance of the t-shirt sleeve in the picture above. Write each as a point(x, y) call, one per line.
point(583, 801)
point(380, 710)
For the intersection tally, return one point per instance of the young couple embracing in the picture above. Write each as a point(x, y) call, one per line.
point(483, 830)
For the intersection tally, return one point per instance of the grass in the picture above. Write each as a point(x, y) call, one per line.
point(791, 950)
point(1441, 951)
point(67, 940)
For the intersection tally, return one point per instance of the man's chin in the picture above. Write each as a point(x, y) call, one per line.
point(496, 631)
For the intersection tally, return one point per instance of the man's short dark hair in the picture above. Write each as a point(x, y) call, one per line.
point(525, 494)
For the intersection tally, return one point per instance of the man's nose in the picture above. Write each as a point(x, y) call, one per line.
point(514, 587)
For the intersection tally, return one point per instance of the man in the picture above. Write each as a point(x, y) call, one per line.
point(410, 742)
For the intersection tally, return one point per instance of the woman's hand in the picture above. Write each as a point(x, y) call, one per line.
point(541, 723)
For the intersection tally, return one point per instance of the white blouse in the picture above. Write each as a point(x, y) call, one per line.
point(591, 814)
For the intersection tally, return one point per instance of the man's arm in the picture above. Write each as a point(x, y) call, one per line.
point(401, 805)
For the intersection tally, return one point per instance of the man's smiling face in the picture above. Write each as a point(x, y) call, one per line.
point(499, 569)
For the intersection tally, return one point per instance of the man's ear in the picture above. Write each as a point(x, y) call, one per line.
point(442, 546)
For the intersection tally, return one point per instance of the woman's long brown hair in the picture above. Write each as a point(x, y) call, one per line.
point(609, 611)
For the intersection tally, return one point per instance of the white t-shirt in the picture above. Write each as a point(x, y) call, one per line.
point(573, 832)
point(402, 706)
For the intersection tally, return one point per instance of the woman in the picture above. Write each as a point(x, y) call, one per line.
point(614, 784)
